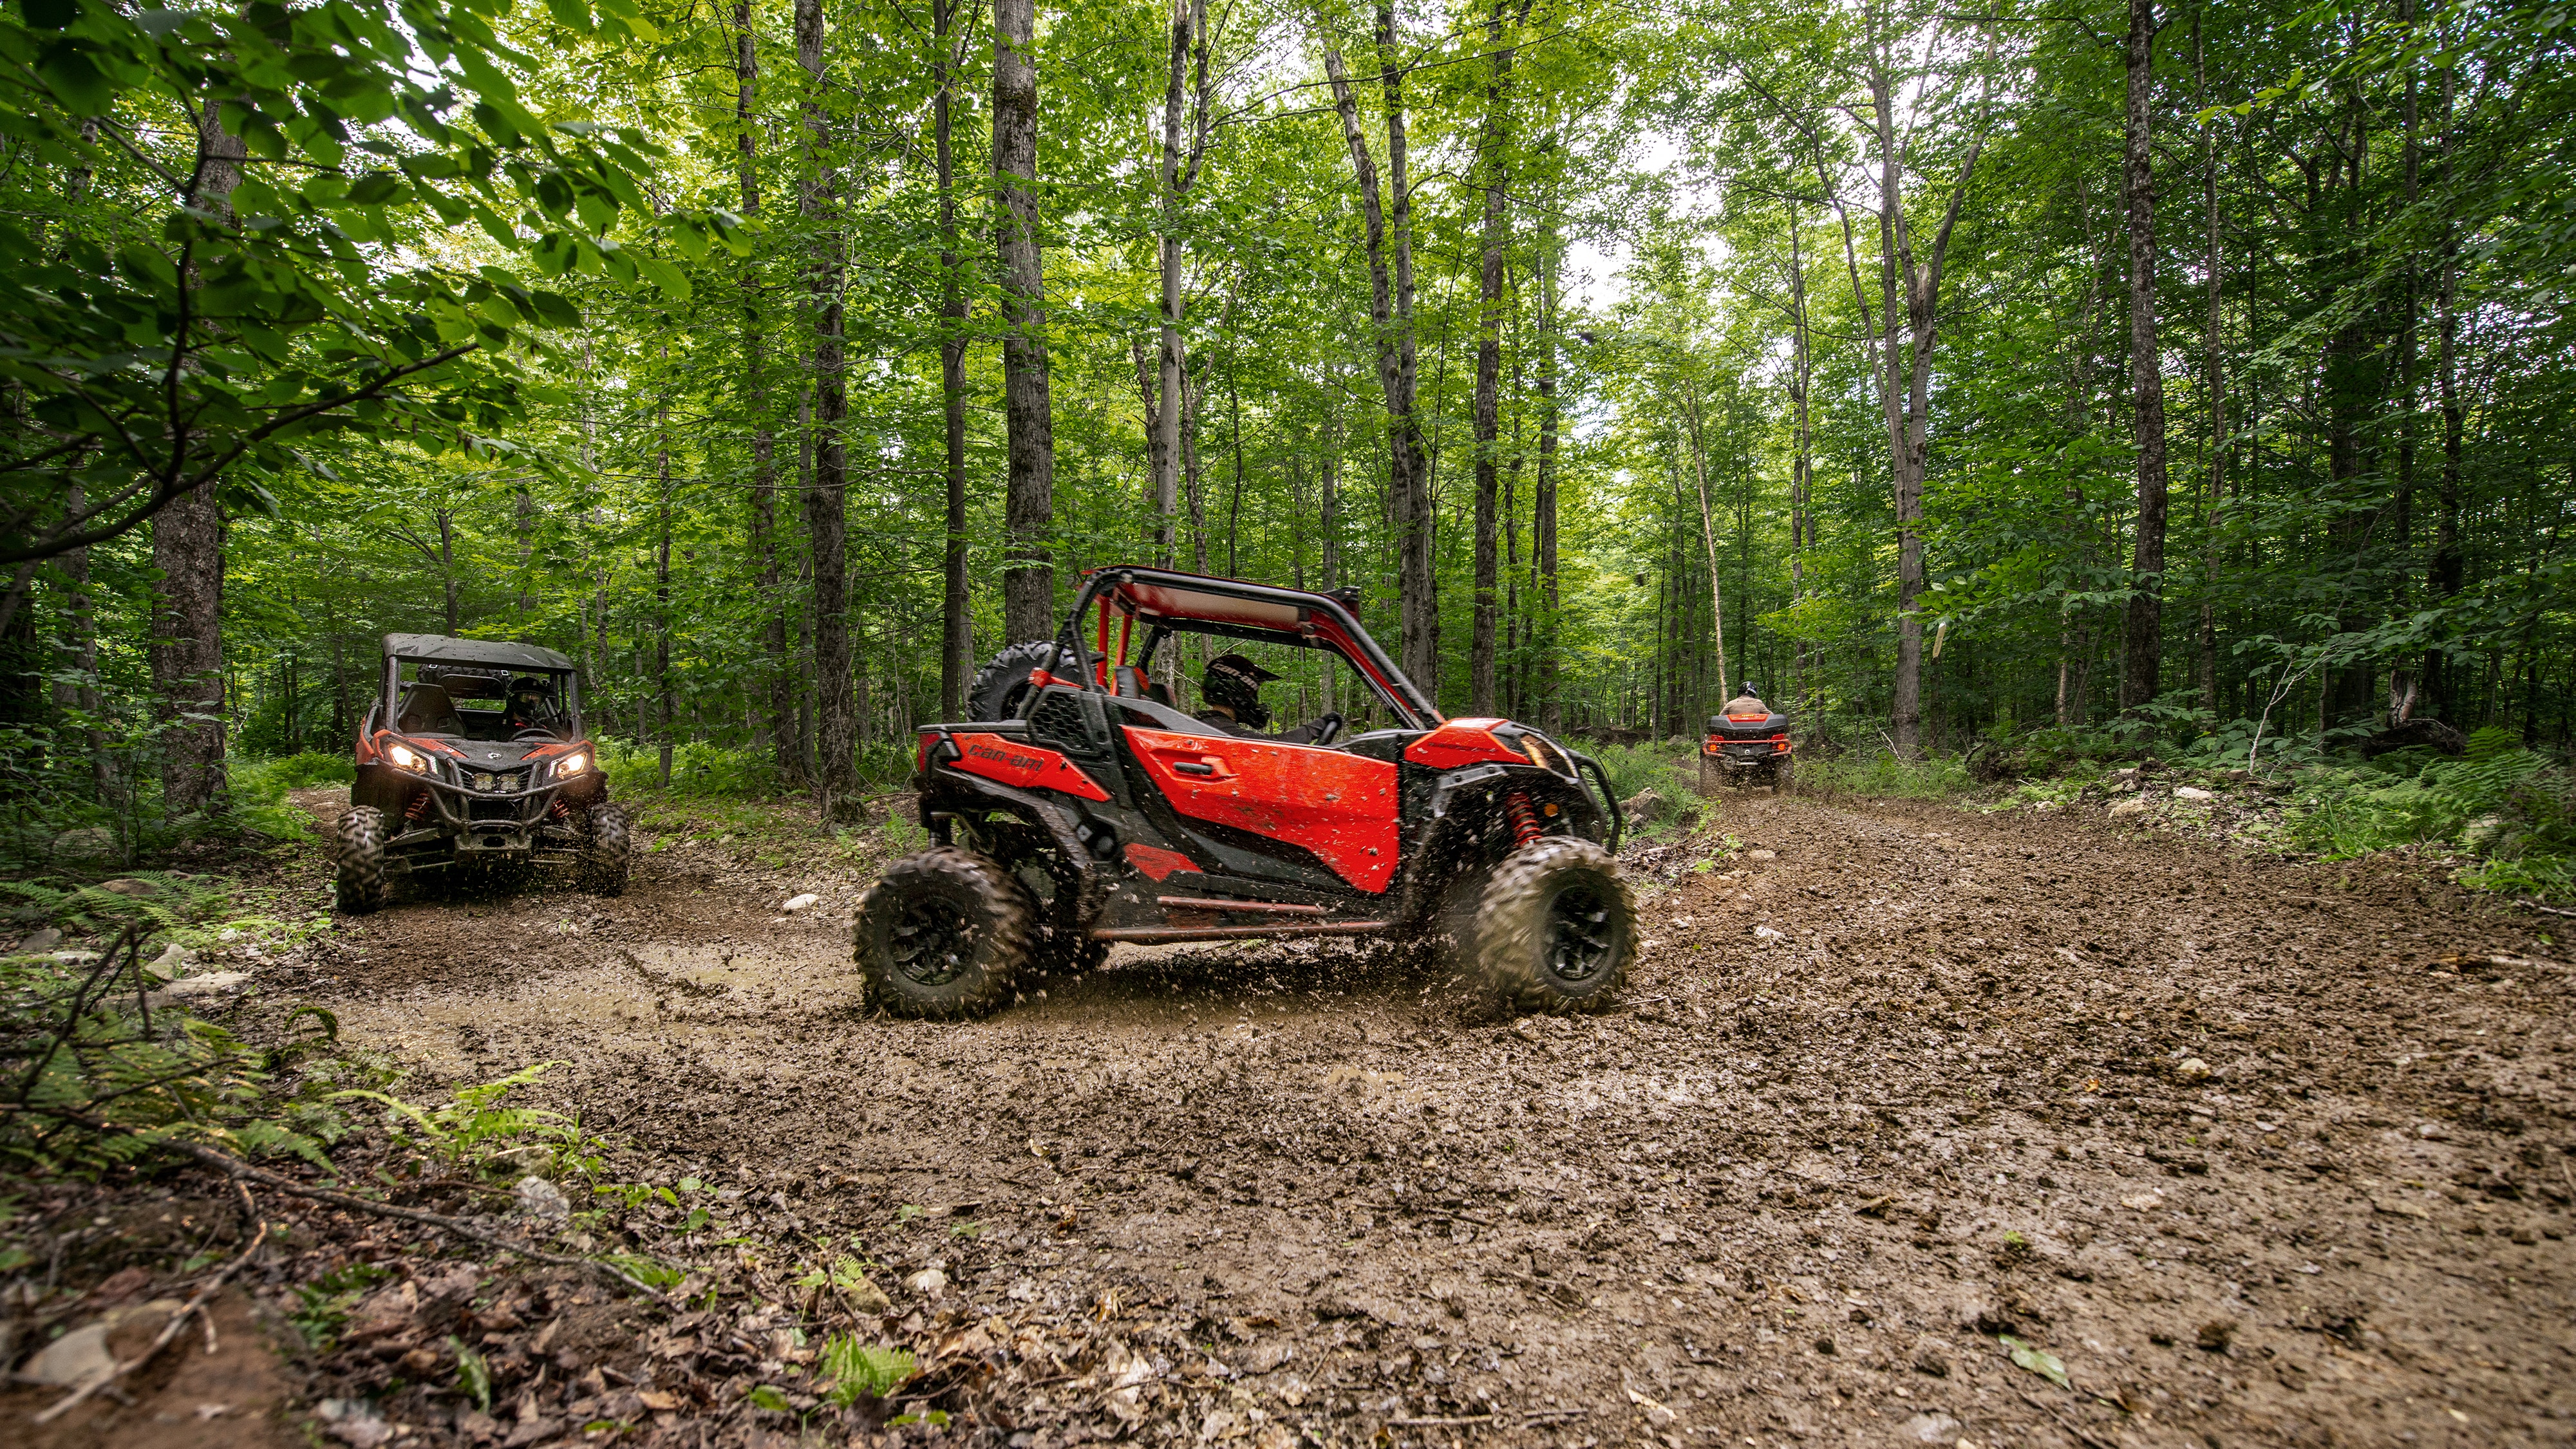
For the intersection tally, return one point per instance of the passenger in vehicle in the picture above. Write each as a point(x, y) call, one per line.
point(1231, 690)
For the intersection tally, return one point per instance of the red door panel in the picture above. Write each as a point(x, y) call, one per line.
point(1340, 806)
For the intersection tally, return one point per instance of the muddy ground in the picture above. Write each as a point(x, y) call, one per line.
point(2258, 1151)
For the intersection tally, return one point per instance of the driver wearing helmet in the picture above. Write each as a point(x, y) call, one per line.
point(531, 705)
point(1231, 690)
point(1746, 702)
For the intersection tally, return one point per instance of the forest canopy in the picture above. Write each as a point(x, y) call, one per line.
point(2165, 374)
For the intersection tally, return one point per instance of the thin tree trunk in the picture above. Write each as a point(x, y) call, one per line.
point(1707, 521)
point(447, 564)
point(1802, 466)
point(776, 677)
point(2214, 262)
point(2448, 571)
point(1551, 711)
point(957, 618)
point(662, 579)
point(1028, 573)
point(826, 521)
point(1489, 359)
point(2144, 652)
point(1390, 251)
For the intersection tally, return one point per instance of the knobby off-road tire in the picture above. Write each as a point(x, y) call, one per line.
point(1002, 685)
point(943, 934)
point(607, 856)
point(360, 846)
point(1784, 776)
point(1558, 929)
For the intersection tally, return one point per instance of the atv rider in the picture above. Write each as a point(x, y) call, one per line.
point(531, 706)
point(1231, 690)
point(1746, 702)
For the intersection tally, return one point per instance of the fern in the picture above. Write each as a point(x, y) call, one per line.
point(857, 1369)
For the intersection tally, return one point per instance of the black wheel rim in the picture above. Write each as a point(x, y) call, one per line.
point(932, 943)
point(1581, 936)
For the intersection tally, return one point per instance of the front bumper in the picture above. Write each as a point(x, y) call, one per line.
point(446, 824)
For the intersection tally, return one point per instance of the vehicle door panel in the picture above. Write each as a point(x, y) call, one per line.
point(1336, 806)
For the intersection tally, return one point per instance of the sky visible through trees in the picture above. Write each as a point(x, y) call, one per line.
point(2166, 371)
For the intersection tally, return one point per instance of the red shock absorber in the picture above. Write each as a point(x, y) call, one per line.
point(1516, 808)
point(556, 809)
point(416, 809)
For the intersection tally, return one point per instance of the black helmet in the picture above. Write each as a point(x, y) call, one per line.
point(529, 692)
point(1235, 682)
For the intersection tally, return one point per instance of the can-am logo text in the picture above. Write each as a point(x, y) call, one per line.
point(984, 751)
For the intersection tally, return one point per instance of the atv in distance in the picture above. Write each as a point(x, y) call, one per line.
point(472, 762)
point(1747, 744)
point(1081, 806)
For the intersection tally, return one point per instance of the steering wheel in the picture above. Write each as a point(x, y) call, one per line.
point(1328, 729)
point(532, 732)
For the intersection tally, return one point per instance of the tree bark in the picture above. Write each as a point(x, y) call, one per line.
point(1028, 573)
point(775, 680)
point(2448, 572)
point(1390, 253)
point(2214, 263)
point(1802, 464)
point(1551, 711)
point(662, 686)
point(826, 521)
point(1909, 299)
point(957, 618)
point(2144, 653)
point(1707, 522)
point(187, 651)
point(1489, 359)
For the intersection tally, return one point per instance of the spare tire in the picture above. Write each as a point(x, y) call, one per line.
point(1002, 685)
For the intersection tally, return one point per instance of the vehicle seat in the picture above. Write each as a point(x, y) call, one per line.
point(428, 711)
point(1133, 683)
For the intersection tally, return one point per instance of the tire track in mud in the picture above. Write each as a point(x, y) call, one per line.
point(2117, 1096)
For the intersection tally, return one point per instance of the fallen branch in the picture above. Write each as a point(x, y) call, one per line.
point(2553, 910)
point(1439, 1423)
point(236, 1168)
point(169, 1330)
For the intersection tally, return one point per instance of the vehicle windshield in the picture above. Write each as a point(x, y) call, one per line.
point(1310, 682)
point(476, 704)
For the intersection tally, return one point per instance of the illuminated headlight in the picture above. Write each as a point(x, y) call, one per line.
point(407, 758)
point(573, 764)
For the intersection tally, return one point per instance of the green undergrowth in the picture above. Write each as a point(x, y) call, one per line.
point(1882, 773)
point(1670, 768)
point(2512, 809)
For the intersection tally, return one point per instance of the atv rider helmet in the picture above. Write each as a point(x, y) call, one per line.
point(1233, 684)
point(531, 704)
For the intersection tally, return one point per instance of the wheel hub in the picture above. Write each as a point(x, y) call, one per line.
point(931, 942)
point(1580, 934)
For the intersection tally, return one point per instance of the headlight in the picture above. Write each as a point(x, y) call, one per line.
point(573, 764)
point(407, 758)
point(1541, 756)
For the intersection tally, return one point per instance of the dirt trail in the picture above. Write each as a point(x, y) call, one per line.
point(1796, 1189)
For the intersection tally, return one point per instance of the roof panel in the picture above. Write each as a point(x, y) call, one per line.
point(496, 653)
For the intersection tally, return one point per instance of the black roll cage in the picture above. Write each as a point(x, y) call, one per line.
point(1354, 644)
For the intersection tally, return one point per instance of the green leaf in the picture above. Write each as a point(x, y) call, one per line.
point(571, 14)
point(83, 88)
point(673, 283)
point(2038, 1361)
point(762, 1396)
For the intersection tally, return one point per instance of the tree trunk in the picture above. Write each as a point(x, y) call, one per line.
point(2448, 573)
point(776, 676)
point(1162, 472)
point(662, 580)
point(1912, 293)
point(1489, 360)
point(957, 618)
point(1179, 172)
point(2214, 263)
point(1802, 465)
point(187, 650)
point(2145, 634)
point(826, 522)
point(1028, 574)
point(1551, 711)
point(1390, 252)
point(1707, 521)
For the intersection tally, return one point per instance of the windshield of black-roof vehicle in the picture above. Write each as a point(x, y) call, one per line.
point(486, 705)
